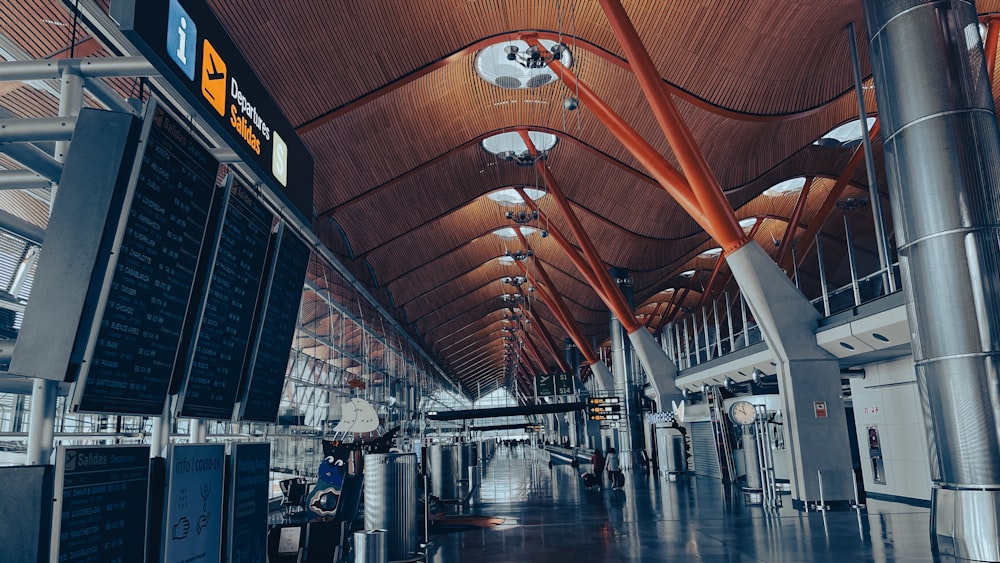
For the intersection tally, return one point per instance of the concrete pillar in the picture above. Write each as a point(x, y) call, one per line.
point(941, 152)
point(808, 377)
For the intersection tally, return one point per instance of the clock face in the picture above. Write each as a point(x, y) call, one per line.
point(743, 412)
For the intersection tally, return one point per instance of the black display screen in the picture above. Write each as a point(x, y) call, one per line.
point(226, 320)
point(101, 503)
point(246, 530)
point(136, 346)
point(273, 339)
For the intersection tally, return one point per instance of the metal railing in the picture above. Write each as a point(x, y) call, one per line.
point(726, 324)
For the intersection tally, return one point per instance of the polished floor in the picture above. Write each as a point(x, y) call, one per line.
point(549, 516)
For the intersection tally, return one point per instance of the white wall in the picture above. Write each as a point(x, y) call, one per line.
point(887, 397)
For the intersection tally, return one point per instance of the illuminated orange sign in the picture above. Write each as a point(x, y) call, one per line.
point(213, 78)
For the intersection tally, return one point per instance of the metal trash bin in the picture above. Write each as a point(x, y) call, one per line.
point(442, 469)
point(369, 547)
point(670, 453)
point(391, 501)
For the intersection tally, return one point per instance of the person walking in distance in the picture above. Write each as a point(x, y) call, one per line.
point(597, 460)
point(614, 469)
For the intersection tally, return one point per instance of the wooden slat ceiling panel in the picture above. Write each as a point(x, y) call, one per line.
point(485, 275)
point(22, 205)
point(401, 179)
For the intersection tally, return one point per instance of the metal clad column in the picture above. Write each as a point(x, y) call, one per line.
point(630, 434)
point(942, 152)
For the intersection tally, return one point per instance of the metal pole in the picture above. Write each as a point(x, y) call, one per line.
point(795, 268)
point(41, 434)
point(746, 331)
point(729, 321)
point(822, 501)
point(718, 336)
point(822, 277)
point(70, 102)
point(687, 345)
point(197, 431)
point(37, 129)
point(881, 240)
point(677, 341)
point(694, 335)
point(850, 255)
point(161, 430)
point(89, 67)
point(704, 329)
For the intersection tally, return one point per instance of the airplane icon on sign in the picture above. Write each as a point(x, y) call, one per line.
point(214, 74)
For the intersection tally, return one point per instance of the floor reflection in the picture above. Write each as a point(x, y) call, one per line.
point(550, 516)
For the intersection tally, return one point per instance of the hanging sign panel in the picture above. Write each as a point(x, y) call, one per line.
point(564, 383)
point(186, 42)
point(141, 314)
point(272, 340)
point(246, 514)
point(222, 326)
point(545, 385)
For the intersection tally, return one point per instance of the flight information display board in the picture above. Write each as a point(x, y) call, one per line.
point(223, 329)
point(100, 504)
point(268, 361)
point(248, 487)
point(132, 355)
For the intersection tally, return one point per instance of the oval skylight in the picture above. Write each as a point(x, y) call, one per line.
point(711, 253)
point(850, 131)
point(508, 197)
point(786, 187)
point(748, 223)
point(506, 260)
point(508, 233)
point(687, 274)
point(510, 143)
point(515, 65)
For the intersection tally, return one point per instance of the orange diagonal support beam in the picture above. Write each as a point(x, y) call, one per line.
point(665, 174)
point(581, 264)
point(547, 340)
point(711, 200)
point(784, 247)
point(990, 47)
point(534, 352)
point(831, 199)
point(671, 305)
point(710, 286)
point(559, 309)
point(615, 300)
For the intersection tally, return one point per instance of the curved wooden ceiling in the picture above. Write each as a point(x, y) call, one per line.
point(386, 96)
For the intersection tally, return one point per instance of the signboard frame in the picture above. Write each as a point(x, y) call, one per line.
point(237, 523)
point(93, 331)
point(255, 110)
point(64, 465)
point(203, 458)
point(197, 329)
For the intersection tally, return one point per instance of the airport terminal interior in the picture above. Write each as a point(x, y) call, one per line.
point(499, 280)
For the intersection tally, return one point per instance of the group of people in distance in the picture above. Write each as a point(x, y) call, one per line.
point(601, 463)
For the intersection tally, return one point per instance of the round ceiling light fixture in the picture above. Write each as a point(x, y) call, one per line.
point(516, 65)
